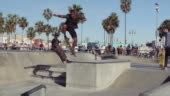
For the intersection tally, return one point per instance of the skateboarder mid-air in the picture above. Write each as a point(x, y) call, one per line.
point(56, 48)
point(72, 19)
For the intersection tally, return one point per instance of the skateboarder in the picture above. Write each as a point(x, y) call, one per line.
point(70, 25)
point(56, 48)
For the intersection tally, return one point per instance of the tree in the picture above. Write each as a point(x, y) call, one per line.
point(39, 27)
point(30, 33)
point(54, 30)
point(2, 22)
point(165, 25)
point(125, 7)
point(47, 30)
point(110, 24)
point(10, 26)
point(47, 14)
point(23, 24)
point(75, 7)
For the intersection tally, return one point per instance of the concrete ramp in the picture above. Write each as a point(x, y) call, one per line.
point(135, 81)
point(12, 64)
point(159, 91)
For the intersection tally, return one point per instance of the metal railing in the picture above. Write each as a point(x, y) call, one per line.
point(42, 88)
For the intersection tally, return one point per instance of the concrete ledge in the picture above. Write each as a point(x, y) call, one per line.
point(94, 75)
point(108, 56)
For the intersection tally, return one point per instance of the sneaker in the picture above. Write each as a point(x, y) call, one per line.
point(67, 61)
point(73, 52)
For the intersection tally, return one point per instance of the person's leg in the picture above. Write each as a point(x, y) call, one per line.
point(61, 54)
point(74, 44)
point(74, 37)
point(165, 59)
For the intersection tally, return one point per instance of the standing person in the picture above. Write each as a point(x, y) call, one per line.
point(167, 48)
point(56, 48)
point(70, 25)
point(165, 45)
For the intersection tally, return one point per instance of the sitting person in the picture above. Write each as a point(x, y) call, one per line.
point(56, 48)
point(108, 49)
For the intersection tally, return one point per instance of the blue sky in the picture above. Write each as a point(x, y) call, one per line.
point(141, 18)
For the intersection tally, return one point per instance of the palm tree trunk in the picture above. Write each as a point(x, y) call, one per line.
point(39, 36)
point(31, 43)
point(8, 41)
point(125, 30)
point(22, 36)
point(81, 33)
point(108, 38)
point(104, 38)
point(48, 42)
point(111, 38)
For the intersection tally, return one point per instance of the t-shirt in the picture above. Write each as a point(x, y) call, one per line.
point(167, 41)
point(55, 43)
point(71, 23)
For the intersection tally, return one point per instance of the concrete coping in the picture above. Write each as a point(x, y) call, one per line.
point(115, 61)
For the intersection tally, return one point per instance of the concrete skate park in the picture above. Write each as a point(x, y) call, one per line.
point(85, 76)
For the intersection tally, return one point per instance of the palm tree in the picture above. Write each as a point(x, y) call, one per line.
point(47, 30)
point(39, 27)
point(164, 25)
point(23, 24)
point(54, 29)
point(30, 34)
point(125, 7)
point(10, 26)
point(82, 19)
point(75, 7)
point(110, 24)
point(2, 21)
point(47, 14)
point(104, 24)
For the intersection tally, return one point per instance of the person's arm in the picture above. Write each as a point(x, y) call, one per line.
point(60, 16)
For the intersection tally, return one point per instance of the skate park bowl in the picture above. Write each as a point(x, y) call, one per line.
point(85, 76)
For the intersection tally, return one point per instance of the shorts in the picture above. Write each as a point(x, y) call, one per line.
point(72, 32)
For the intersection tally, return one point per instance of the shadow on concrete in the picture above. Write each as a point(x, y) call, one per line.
point(166, 80)
point(61, 79)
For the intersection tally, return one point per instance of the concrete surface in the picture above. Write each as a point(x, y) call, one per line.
point(96, 75)
point(16, 89)
point(14, 79)
point(159, 91)
point(12, 64)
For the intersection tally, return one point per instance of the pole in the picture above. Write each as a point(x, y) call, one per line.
point(156, 31)
point(125, 30)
